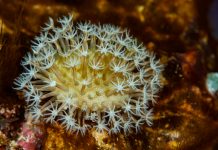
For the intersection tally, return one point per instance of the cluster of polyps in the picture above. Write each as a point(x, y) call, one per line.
point(89, 76)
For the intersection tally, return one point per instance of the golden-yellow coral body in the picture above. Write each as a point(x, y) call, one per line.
point(89, 76)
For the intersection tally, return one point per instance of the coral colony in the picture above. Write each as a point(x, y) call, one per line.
point(89, 76)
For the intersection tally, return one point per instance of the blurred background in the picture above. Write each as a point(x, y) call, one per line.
point(183, 34)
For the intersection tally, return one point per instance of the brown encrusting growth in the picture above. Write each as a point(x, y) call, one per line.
point(185, 116)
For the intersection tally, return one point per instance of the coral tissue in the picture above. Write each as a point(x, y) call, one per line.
point(89, 76)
